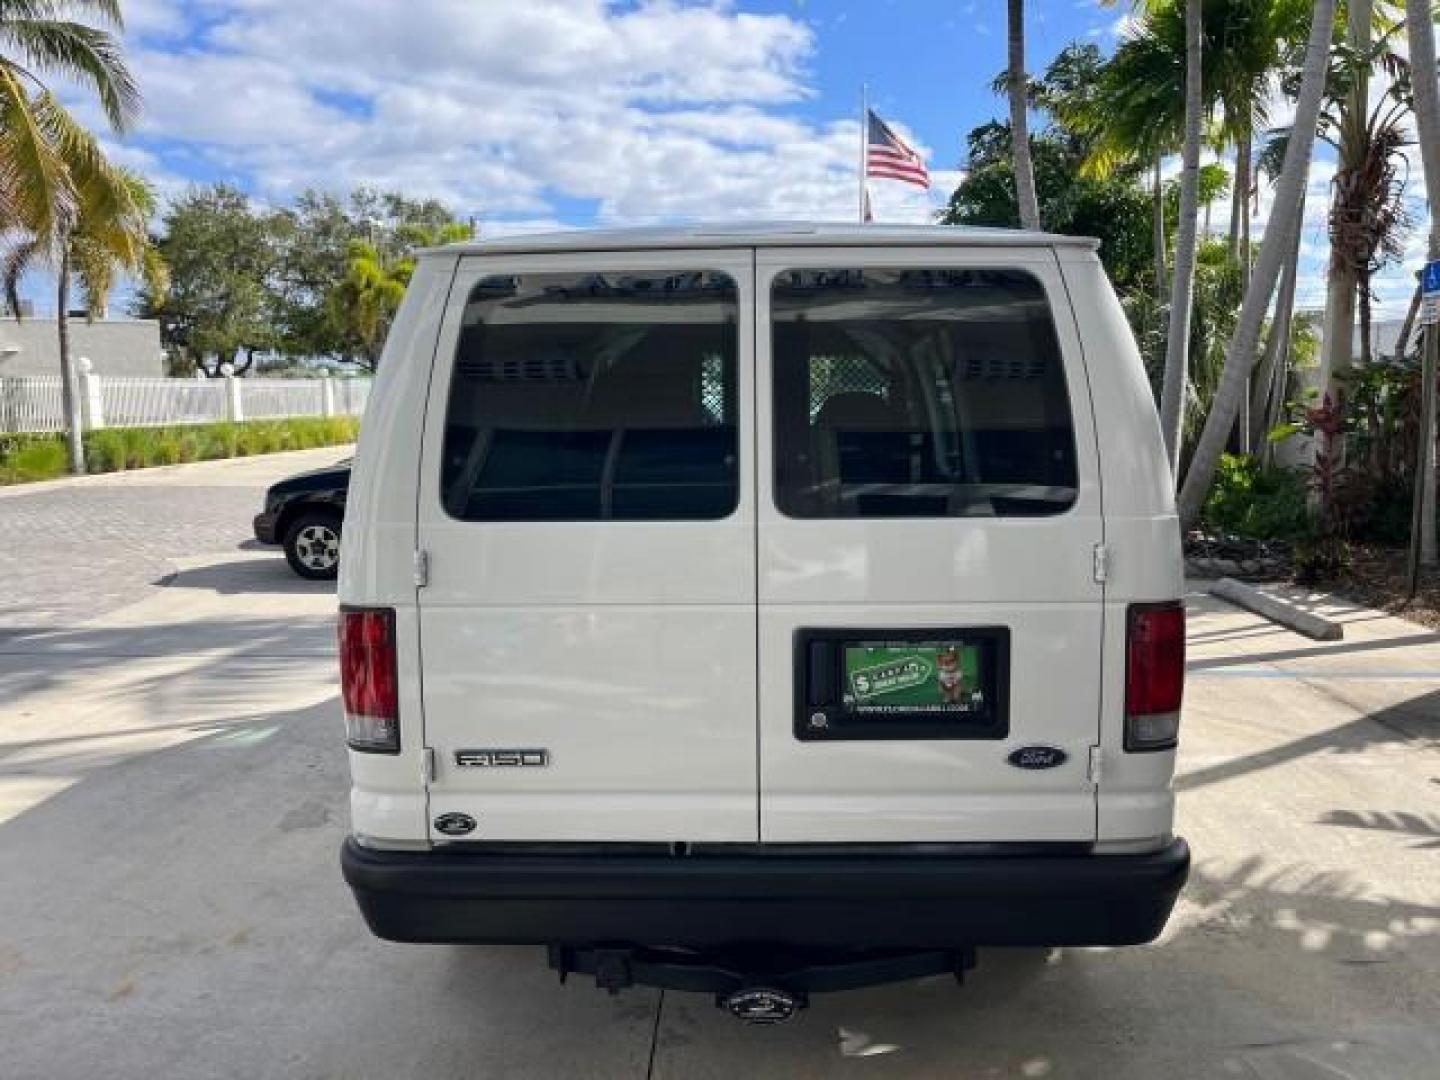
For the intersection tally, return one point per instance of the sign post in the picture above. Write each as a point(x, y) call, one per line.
point(1422, 539)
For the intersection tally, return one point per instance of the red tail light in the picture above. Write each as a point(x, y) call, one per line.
point(368, 679)
point(1154, 675)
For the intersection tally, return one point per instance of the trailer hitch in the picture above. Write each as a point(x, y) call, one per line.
point(755, 983)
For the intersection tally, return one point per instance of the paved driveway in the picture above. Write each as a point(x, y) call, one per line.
point(172, 796)
point(74, 549)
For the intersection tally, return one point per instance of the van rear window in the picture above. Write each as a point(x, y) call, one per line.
point(586, 397)
point(918, 393)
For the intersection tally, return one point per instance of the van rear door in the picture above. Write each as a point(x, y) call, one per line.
point(929, 517)
point(586, 508)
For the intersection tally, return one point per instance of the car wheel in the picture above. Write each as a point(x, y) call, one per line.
point(312, 546)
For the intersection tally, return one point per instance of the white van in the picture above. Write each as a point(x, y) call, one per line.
point(762, 609)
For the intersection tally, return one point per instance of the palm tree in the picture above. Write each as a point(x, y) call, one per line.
point(1342, 278)
point(1272, 377)
point(363, 304)
point(1421, 33)
point(1137, 111)
point(1182, 288)
point(1019, 128)
point(50, 169)
point(102, 231)
point(37, 40)
point(1368, 220)
point(1240, 357)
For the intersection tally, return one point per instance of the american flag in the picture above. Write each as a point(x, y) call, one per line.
point(889, 157)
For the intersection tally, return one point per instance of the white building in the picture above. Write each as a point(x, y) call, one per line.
point(113, 346)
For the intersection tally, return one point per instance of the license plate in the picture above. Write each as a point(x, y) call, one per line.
point(932, 678)
point(902, 683)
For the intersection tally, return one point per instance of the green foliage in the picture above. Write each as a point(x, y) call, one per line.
point(31, 457)
point(363, 304)
point(321, 277)
point(42, 457)
point(221, 260)
point(1116, 209)
point(1246, 500)
point(41, 144)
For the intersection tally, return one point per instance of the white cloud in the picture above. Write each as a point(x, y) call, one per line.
point(656, 110)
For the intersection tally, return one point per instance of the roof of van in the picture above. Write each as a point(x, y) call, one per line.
point(764, 234)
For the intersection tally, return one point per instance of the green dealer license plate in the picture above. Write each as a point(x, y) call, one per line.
point(943, 678)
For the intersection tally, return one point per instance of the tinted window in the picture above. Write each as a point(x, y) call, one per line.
point(582, 397)
point(918, 393)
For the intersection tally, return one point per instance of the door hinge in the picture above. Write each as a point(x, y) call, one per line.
point(427, 765)
point(422, 568)
point(1102, 562)
point(1097, 756)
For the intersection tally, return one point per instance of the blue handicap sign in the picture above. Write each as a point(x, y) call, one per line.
point(1430, 279)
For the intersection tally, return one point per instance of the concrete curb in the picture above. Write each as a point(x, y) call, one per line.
point(1277, 610)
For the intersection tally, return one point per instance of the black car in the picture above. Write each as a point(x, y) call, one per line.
point(302, 514)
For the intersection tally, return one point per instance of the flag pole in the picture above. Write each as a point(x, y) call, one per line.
point(864, 144)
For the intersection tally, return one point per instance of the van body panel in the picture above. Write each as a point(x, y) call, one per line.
point(623, 649)
point(388, 797)
point(1032, 575)
point(378, 567)
point(1142, 536)
point(645, 712)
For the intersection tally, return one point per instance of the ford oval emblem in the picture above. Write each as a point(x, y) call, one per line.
point(1037, 757)
point(455, 824)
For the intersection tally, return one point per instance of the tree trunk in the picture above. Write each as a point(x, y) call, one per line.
point(1245, 180)
point(1337, 337)
point(69, 390)
point(1158, 217)
point(1337, 340)
point(1272, 377)
point(1421, 32)
point(1362, 299)
point(1182, 286)
point(1240, 357)
point(1019, 126)
point(1237, 200)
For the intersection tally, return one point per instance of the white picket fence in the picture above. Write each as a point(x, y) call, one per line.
point(31, 403)
point(35, 403)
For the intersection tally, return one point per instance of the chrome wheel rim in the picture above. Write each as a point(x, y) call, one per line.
point(318, 547)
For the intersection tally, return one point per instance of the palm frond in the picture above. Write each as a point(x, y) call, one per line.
point(105, 12)
point(103, 192)
point(36, 192)
point(17, 260)
point(84, 53)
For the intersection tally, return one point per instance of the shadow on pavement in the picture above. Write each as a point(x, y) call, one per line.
point(249, 575)
point(1415, 719)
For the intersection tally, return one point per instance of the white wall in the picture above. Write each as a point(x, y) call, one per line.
point(114, 346)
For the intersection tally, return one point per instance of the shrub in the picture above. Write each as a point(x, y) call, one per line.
point(31, 457)
point(1262, 504)
point(43, 457)
point(104, 450)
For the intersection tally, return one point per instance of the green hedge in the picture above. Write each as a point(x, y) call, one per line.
point(1256, 503)
point(42, 457)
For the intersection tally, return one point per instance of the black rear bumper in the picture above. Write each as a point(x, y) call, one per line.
point(906, 897)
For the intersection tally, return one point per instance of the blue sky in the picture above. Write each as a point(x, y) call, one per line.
point(541, 113)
